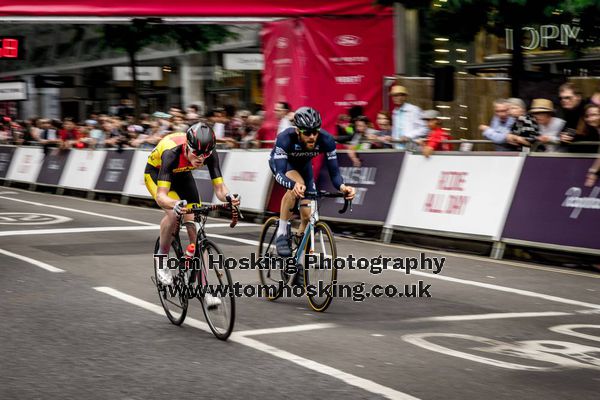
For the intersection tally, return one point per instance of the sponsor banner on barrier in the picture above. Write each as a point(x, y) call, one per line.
point(114, 171)
point(204, 182)
point(459, 194)
point(82, 169)
point(375, 181)
point(53, 166)
point(135, 186)
point(6, 154)
point(25, 165)
point(248, 173)
point(552, 205)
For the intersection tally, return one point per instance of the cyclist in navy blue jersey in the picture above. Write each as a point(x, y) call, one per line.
point(290, 162)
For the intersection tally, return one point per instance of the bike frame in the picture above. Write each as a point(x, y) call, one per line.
point(309, 231)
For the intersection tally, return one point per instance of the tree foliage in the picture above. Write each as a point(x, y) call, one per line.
point(463, 19)
point(140, 33)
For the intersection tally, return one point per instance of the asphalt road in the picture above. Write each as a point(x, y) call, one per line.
point(80, 318)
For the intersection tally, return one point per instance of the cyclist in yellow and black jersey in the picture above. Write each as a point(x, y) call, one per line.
point(169, 180)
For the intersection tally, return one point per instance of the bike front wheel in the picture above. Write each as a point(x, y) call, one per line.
point(271, 275)
point(173, 298)
point(215, 280)
point(321, 274)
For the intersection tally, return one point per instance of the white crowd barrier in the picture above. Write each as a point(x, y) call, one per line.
point(135, 186)
point(455, 193)
point(25, 164)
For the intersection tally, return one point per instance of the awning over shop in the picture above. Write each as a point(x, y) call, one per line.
point(187, 8)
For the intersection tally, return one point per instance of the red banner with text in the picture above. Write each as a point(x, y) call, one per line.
point(347, 59)
point(282, 77)
point(329, 64)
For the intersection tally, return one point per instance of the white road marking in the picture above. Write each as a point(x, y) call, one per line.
point(76, 211)
point(149, 306)
point(350, 379)
point(588, 312)
point(100, 202)
point(569, 330)
point(506, 289)
point(486, 260)
point(94, 229)
point(421, 340)
point(285, 329)
point(23, 218)
point(563, 355)
point(377, 335)
point(78, 230)
point(226, 225)
point(31, 261)
point(244, 241)
point(477, 317)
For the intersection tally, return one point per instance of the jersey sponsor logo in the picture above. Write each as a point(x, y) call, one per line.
point(332, 155)
point(280, 153)
point(183, 169)
point(304, 154)
point(347, 40)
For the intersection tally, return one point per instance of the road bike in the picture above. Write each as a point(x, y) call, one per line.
point(317, 241)
point(194, 277)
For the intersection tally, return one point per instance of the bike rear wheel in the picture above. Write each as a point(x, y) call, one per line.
point(174, 299)
point(322, 273)
point(271, 275)
point(215, 279)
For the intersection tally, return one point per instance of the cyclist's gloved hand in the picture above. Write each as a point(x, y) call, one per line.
point(179, 207)
point(233, 199)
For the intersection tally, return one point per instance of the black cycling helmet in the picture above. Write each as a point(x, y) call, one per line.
point(307, 118)
point(201, 138)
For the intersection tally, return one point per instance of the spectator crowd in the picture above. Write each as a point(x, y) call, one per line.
point(514, 127)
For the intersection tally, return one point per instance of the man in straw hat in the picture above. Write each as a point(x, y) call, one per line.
point(549, 126)
point(407, 124)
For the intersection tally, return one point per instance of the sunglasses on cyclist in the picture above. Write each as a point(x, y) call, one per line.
point(197, 152)
point(309, 132)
